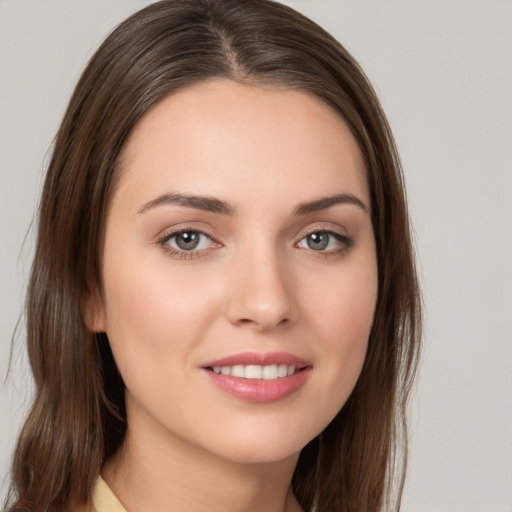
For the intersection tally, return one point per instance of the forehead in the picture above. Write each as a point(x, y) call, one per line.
point(222, 138)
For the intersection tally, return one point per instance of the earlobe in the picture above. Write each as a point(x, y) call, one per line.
point(94, 313)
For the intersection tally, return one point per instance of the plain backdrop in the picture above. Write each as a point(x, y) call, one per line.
point(443, 71)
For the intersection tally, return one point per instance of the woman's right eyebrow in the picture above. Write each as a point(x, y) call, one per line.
point(205, 203)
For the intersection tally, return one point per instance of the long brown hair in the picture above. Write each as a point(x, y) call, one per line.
point(78, 418)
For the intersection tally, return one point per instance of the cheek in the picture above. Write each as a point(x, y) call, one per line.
point(342, 313)
point(144, 291)
point(344, 302)
point(150, 313)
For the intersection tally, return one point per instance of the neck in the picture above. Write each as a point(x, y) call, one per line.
point(156, 472)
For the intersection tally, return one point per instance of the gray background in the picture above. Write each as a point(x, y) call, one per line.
point(443, 72)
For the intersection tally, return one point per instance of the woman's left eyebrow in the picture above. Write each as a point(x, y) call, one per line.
point(327, 202)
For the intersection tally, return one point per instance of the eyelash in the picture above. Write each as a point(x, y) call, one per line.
point(345, 241)
point(180, 254)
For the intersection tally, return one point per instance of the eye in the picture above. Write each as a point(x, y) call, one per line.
point(186, 240)
point(326, 241)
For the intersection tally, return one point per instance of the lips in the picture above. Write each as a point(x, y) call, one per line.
point(260, 378)
point(256, 358)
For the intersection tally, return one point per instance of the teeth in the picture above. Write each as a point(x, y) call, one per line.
point(238, 370)
point(270, 372)
point(253, 371)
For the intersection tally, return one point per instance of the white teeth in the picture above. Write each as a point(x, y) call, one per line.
point(238, 370)
point(253, 371)
point(270, 372)
point(282, 371)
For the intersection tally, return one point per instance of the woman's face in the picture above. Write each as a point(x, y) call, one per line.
point(239, 271)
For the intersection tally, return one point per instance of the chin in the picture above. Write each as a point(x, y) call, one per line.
point(272, 445)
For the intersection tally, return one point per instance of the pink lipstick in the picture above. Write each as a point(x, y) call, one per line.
point(257, 377)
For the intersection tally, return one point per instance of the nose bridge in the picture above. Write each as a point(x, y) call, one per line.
point(262, 290)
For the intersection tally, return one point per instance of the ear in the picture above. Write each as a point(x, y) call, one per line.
point(94, 312)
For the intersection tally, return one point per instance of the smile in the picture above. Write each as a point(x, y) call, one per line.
point(253, 371)
point(259, 378)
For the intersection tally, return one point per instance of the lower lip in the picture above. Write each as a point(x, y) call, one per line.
point(260, 390)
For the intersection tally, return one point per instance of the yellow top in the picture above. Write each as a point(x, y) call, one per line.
point(103, 498)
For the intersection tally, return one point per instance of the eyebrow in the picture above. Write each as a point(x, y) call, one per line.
point(205, 203)
point(327, 202)
point(214, 205)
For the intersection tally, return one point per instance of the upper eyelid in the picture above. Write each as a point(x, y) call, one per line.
point(324, 228)
point(343, 238)
point(321, 230)
point(167, 234)
point(172, 234)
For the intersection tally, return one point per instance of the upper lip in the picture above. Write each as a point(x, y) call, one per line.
point(260, 359)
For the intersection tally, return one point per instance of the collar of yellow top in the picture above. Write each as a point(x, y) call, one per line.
point(104, 499)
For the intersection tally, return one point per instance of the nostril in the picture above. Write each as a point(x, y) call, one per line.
point(248, 322)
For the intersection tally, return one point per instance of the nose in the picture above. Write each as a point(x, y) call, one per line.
point(261, 295)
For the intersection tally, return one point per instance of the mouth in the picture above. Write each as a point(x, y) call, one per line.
point(254, 371)
point(260, 378)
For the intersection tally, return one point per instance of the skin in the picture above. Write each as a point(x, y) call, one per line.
point(255, 284)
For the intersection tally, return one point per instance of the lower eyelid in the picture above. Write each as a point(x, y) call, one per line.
point(180, 254)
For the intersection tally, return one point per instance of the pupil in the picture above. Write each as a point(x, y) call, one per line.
point(187, 240)
point(318, 241)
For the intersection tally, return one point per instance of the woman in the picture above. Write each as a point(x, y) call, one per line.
point(223, 311)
